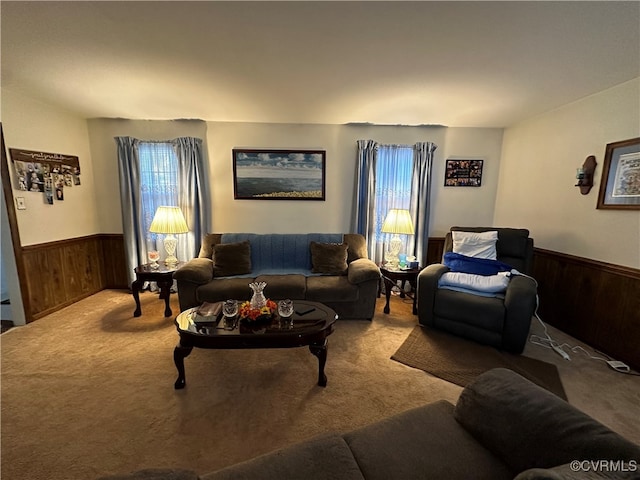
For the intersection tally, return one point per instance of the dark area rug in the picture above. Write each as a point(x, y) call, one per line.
point(460, 361)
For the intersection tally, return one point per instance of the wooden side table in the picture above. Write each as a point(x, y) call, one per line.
point(390, 277)
point(162, 275)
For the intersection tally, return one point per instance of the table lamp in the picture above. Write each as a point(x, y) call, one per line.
point(168, 221)
point(397, 222)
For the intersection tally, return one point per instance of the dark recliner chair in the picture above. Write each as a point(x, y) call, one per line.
point(499, 322)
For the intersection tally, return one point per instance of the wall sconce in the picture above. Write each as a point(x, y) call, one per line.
point(584, 174)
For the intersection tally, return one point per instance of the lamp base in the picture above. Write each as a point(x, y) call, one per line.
point(394, 250)
point(171, 261)
point(170, 244)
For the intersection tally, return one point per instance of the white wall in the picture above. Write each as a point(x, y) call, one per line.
point(467, 206)
point(450, 205)
point(537, 177)
point(527, 182)
point(32, 125)
point(102, 133)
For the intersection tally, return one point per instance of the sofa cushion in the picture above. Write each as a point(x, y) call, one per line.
point(329, 258)
point(334, 288)
point(426, 443)
point(232, 259)
point(318, 459)
point(220, 289)
point(529, 427)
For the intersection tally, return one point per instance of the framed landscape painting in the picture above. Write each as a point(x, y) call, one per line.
point(260, 174)
point(620, 183)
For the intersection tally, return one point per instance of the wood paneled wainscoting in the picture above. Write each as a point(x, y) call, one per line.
point(63, 272)
point(595, 302)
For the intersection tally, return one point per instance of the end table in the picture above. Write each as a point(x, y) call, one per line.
point(162, 275)
point(390, 277)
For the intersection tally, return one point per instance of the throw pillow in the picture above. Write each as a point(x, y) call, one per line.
point(329, 258)
point(232, 259)
point(475, 244)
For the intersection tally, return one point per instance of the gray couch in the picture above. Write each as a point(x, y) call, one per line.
point(330, 268)
point(502, 427)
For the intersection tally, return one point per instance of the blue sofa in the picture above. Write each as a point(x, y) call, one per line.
point(292, 265)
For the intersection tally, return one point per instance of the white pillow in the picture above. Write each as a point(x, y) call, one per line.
point(475, 244)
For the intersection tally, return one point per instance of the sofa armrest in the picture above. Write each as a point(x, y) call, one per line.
point(520, 303)
point(362, 270)
point(426, 290)
point(197, 270)
point(527, 426)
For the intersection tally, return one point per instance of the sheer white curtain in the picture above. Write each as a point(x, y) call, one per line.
point(158, 187)
point(156, 173)
point(393, 176)
point(394, 170)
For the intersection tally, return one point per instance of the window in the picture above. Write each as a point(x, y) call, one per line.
point(394, 170)
point(158, 182)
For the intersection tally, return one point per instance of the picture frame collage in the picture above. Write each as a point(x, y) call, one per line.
point(43, 172)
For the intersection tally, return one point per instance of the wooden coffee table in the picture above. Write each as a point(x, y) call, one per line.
point(307, 329)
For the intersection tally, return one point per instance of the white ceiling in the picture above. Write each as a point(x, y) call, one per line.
point(476, 64)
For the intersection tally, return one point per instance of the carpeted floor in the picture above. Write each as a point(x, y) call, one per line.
point(88, 391)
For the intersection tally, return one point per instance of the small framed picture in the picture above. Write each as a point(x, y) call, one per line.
point(463, 173)
point(620, 183)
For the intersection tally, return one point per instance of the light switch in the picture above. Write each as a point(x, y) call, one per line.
point(20, 203)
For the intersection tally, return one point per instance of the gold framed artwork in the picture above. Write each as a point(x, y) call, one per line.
point(620, 183)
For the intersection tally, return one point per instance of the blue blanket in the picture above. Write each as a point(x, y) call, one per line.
point(479, 266)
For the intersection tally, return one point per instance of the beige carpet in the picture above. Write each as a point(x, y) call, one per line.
point(88, 391)
point(460, 361)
